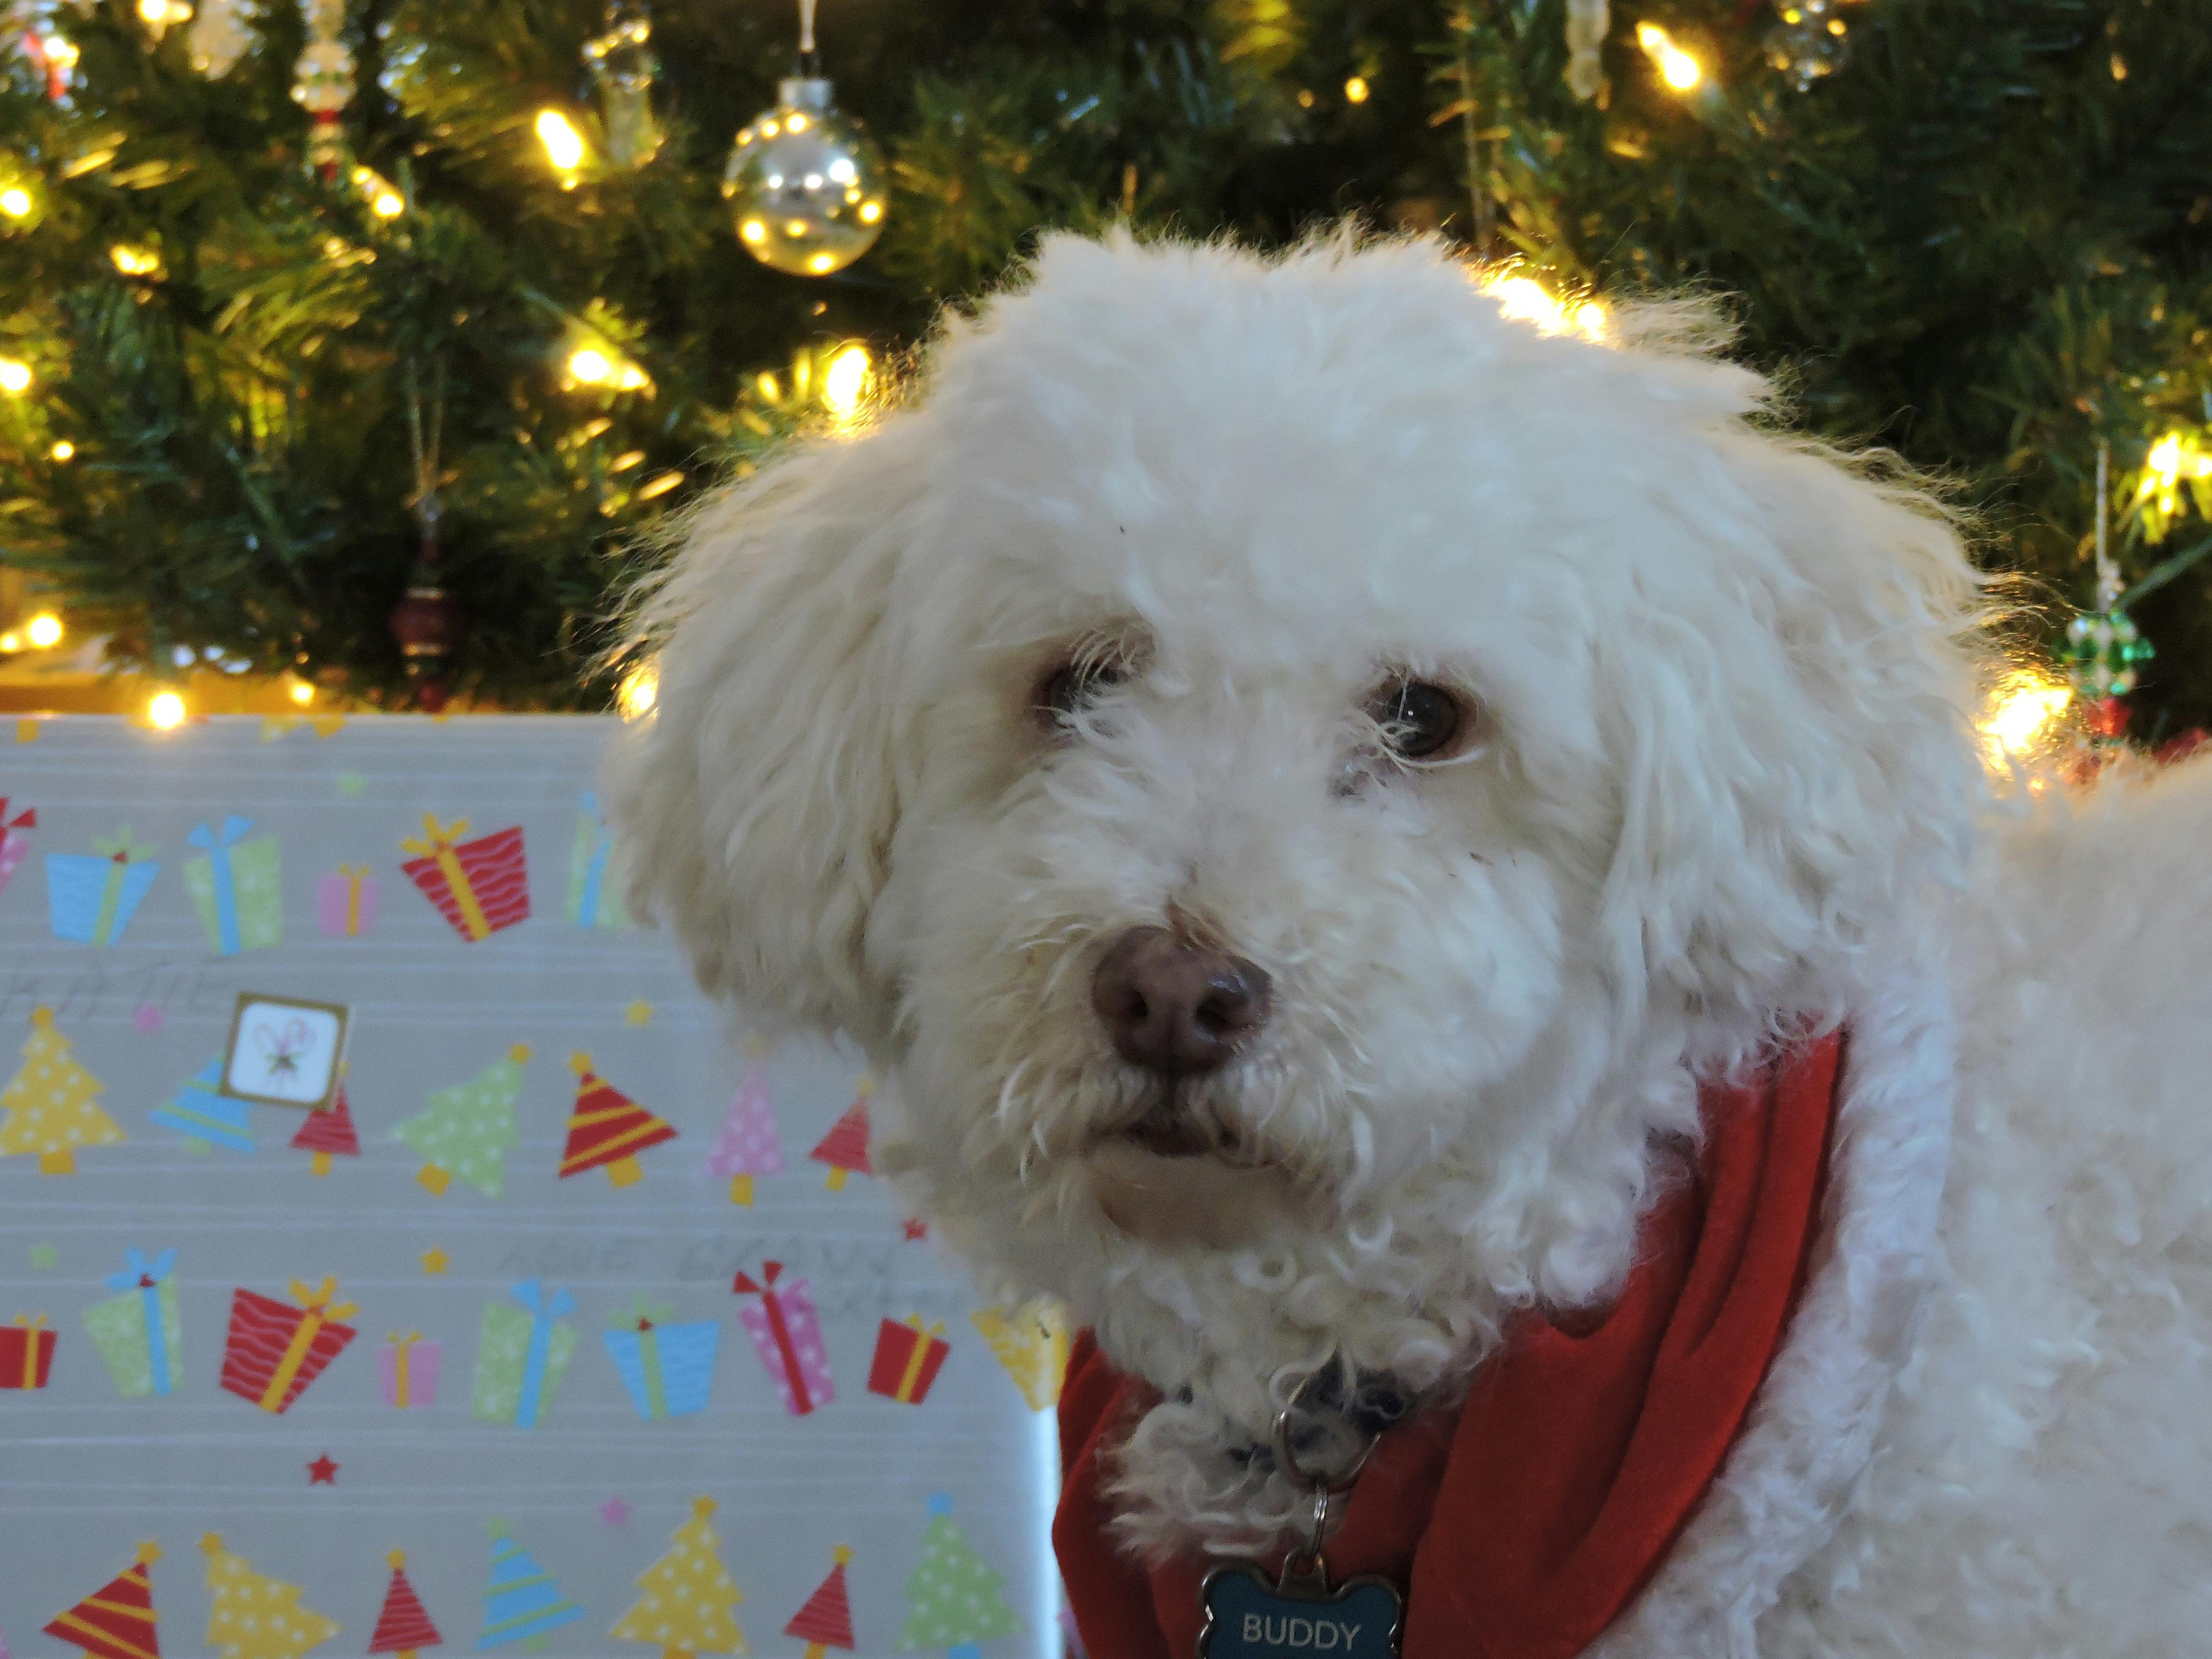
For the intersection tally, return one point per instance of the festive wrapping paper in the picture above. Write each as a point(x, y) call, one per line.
point(780, 1315)
point(238, 888)
point(140, 1330)
point(594, 886)
point(316, 1498)
point(27, 1352)
point(15, 839)
point(522, 1354)
point(274, 1351)
point(667, 1368)
point(408, 1366)
point(90, 899)
point(908, 1356)
point(345, 901)
point(200, 1111)
point(479, 886)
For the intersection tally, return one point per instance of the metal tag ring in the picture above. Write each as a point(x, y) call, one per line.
point(1291, 1466)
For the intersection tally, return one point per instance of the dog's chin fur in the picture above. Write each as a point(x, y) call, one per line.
point(1721, 686)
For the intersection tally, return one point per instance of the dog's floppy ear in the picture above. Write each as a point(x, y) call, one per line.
point(1792, 725)
point(755, 806)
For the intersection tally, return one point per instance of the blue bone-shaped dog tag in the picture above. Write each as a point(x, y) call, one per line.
point(1249, 1618)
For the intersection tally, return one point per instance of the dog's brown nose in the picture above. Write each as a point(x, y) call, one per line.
point(1176, 1008)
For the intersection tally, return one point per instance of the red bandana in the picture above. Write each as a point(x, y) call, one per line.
point(1521, 1524)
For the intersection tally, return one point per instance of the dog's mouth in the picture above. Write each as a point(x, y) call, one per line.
point(1170, 1128)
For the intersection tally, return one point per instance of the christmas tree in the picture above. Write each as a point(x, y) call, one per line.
point(747, 1143)
point(52, 1103)
point(403, 1625)
point(521, 1600)
point(205, 1115)
point(253, 1616)
point(607, 1129)
point(845, 1148)
point(328, 1134)
point(952, 1598)
point(117, 1621)
point(684, 1598)
point(826, 1621)
point(467, 1129)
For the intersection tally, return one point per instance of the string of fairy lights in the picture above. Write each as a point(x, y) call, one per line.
point(806, 194)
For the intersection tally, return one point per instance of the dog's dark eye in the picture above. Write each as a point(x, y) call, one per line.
point(1419, 720)
point(1075, 686)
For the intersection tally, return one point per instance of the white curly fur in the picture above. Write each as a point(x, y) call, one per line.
point(1724, 781)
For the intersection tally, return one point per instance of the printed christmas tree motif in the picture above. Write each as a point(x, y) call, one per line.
point(404, 1627)
point(607, 1129)
point(205, 1115)
point(826, 1621)
point(521, 1600)
point(15, 847)
point(1031, 1342)
point(53, 1105)
point(328, 1133)
point(845, 1148)
point(684, 1598)
point(952, 1598)
point(116, 1621)
point(747, 1145)
point(254, 1616)
point(468, 1128)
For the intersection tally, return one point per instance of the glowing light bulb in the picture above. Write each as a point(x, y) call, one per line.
point(843, 171)
point(653, 488)
point(16, 202)
point(154, 11)
point(564, 145)
point(797, 123)
point(1525, 299)
point(2163, 464)
point(1356, 89)
point(2025, 707)
point(300, 693)
point(134, 261)
point(845, 381)
point(871, 211)
point(592, 368)
point(44, 630)
point(166, 711)
point(63, 450)
point(638, 690)
point(11, 643)
point(753, 231)
point(1676, 67)
point(15, 377)
point(630, 377)
point(822, 264)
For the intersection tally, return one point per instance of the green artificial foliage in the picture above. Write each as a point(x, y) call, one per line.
point(1985, 241)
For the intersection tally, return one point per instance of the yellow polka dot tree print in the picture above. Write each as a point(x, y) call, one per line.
point(684, 1598)
point(51, 1106)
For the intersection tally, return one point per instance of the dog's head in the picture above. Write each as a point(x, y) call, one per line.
point(1256, 748)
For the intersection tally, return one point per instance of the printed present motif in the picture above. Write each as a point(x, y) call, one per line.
point(202, 1112)
point(140, 1331)
point(522, 1354)
point(479, 886)
point(607, 1129)
point(91, 899)
point(668, 1369)
point(274, 1352)
point(345, 901)
point(594, 886)
point(1031, 1342)
point(15, 839)
point(907, 1360)
point(408, 1367)
point(747, 1143)
point(51, 1107)
point(27, 1352)
point(238, 889)
point(788, 1335)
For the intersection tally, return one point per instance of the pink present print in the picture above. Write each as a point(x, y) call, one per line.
point(409, 1368)
point(15, 839)
point(788, 1336)
point(345, 901)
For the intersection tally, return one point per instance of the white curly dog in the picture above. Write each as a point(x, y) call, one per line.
point(1293, 776)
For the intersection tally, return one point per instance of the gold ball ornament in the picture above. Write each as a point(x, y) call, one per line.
point(805, 183)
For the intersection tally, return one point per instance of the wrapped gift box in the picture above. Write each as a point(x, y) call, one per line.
point(139, 1331)
point(479, 886)
point(238, 889)
point(787, 1334)
point(27, 1352)
point(522, 1354)
point(274, 1352)
point(408, 1368)
point(594, 892)
point(345, 901)
point(15, 839)
point(668, 1369)
point(907, 1360)
point(91, 897)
